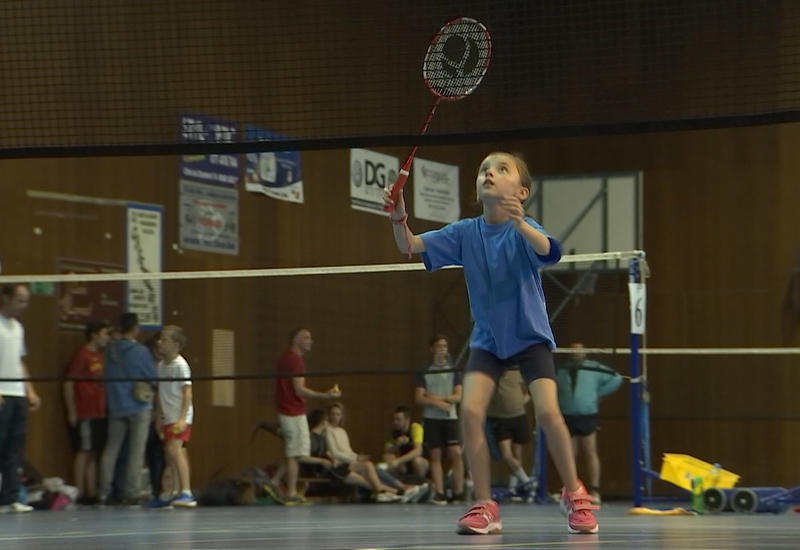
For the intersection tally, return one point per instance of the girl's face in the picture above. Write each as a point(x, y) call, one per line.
point(498, 177)
point(335, 416)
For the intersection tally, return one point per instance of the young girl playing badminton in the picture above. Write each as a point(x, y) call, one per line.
point(501, 253)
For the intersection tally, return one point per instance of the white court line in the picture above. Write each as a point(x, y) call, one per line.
point(574, 540)
point(206, 530)
point(89, 535)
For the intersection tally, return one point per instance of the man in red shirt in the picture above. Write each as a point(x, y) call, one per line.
point(86, 409)
point(291, 392)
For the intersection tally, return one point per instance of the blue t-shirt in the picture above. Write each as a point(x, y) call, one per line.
point(503, 282)
point(579, 390)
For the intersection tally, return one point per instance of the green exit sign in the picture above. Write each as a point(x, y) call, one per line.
point(43, 289)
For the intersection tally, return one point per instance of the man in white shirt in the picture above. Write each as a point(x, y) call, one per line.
point(16, 397)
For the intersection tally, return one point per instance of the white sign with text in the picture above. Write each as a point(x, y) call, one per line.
point(144, 256)
point(370, 174)
point(436, 196)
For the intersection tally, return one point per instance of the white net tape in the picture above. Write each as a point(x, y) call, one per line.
point(276, 272)
point(688, 351)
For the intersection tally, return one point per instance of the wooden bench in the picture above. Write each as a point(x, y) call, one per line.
point(325, 491)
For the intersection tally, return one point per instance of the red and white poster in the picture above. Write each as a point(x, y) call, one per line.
point(81, 302)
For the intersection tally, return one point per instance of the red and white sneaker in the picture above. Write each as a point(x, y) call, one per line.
point(578, 506)
point(482, 519)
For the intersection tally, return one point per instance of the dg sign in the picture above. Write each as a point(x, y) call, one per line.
point(370, 174)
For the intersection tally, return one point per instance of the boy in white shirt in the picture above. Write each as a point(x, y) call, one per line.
point(174, 414)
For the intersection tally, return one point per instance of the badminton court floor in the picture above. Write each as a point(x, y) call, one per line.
point(384, 526)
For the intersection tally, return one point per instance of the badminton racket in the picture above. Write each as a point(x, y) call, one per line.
point(455, 63)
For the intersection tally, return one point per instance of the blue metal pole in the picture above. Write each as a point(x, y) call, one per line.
point(636, 406)
point(646, 458)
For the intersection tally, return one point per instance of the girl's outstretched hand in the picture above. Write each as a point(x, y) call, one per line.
point(513, 207)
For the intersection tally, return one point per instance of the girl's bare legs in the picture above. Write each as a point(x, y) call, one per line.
point(477, 392)
point(559, 442)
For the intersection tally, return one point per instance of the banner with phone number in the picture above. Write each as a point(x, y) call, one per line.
point(214, 169)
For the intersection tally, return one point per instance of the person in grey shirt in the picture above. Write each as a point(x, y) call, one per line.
point(439, 393)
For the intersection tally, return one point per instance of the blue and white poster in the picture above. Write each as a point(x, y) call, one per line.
point(213, 169)
point(209, 218)
point(275, 174)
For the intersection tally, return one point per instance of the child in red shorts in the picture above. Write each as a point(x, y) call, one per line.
point(174, 414)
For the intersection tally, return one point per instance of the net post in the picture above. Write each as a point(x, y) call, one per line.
point(636, 395)
point(645, 424)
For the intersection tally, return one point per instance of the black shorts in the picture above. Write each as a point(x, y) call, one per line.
point(534, 362)
point(582, 425)
point(440, 432)
point(515, 429)
point(89, 435)
point(337, 473)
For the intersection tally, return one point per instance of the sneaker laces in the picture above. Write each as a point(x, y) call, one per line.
point(582, 503)
point(481, 509)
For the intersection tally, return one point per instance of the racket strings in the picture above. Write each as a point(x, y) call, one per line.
point(457, 59)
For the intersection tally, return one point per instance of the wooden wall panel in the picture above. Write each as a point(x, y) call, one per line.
point(719, 233)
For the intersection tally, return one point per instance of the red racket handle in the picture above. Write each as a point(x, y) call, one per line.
point(402, 176)
point(399, 182)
